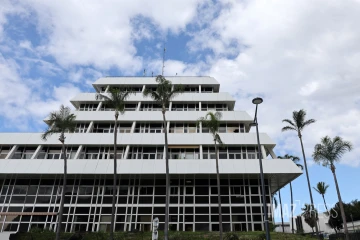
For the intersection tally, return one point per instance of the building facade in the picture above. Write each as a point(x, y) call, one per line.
point(31, 169)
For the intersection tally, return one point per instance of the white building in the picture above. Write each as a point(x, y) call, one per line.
point(31, 169)
point(323, 224)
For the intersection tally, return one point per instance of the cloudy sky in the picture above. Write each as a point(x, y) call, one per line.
point(295, 54)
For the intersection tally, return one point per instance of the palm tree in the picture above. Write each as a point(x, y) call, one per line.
point(163, 94)
point(310, 215)
point(296, 161)
point(212, 122)
point(60, 122)
point(321, 188)
point(298, 124)
point(115, 99)
point(281, 212)
point(328, 152)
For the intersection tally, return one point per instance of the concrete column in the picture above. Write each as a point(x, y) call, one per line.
point(90, 128)
point(138, 106)
point(201, 152)
point(164, 155)
point(36, 153)
point(133, 127)
point(199, 88)
point(199, 106)
point(11, 152)
point(263, 152)
point(170, 106)
point(200, 126)
point(167, 126)
point(99, 106)
point(127, 149)
point(273, 155)
point(78, 152)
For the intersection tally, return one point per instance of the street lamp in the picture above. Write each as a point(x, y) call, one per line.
point(258, 101)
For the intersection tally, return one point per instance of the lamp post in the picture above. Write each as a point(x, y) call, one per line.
point(258, 101)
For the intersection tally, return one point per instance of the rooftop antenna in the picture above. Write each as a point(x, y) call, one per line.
point(163, 61)
point(144, 74)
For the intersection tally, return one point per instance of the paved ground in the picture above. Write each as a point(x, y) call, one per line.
point(5, 235)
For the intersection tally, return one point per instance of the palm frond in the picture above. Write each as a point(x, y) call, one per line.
point(288, 128)
point(117, 97)
point(59, 122)
point(164, 92)
point(330, 150)
point(289, 122)
point(308, 122)
point(211, 121)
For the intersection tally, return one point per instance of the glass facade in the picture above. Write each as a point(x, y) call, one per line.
point(193, 203)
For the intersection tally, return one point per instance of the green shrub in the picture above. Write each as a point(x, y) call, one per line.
point(231, 236)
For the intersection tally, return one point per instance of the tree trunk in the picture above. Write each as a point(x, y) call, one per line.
point(308, 181)
point(325, 203)
point(112, 223)
point(166, 227)
point(218, 189)
point(281, 211)
point(292, 209)
point(341, 203)
point(61, 210)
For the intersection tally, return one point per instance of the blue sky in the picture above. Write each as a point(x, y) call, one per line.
point(288, 52)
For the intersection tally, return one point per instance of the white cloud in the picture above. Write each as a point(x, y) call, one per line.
point(101, 34)
point(24, 100)
point(296, 55)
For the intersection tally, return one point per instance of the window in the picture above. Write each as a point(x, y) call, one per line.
point(146, 152)
point(209, 153)
point(228, 128)
point(127, 107)
point(186, 153)
point(185, 107)
point(174, 190)
point(81, 127)
point(183, 128)
point(193, 88)
point(134, 88)
point(122, 127)
point(55, 152)
point(214, 107)
point(24, 152)
point(88, 107)
point(101, 153)
point(151, 107)
point(4, 150)
point(230, 152)
point(207, 89)
point(149, 128)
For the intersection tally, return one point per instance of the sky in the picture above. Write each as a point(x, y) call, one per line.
point(298, 54)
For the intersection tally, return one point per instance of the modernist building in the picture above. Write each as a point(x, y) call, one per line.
point(31, 169)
